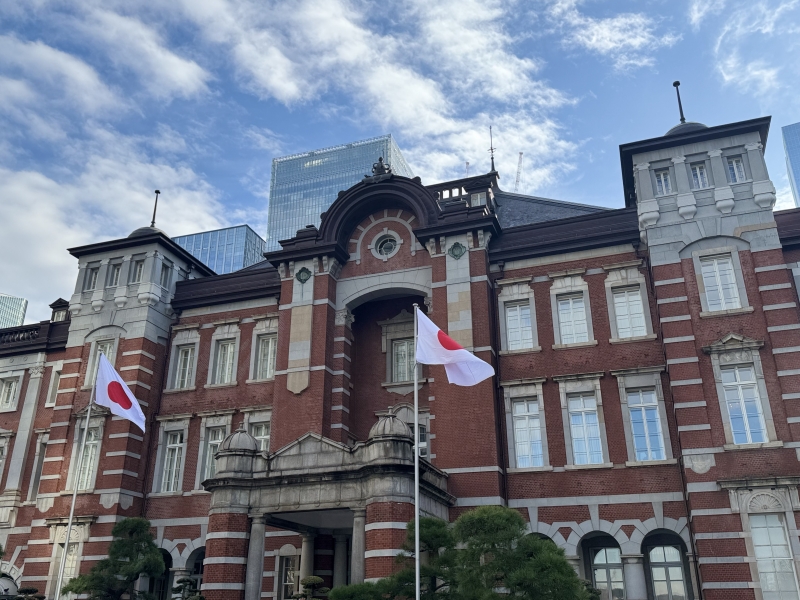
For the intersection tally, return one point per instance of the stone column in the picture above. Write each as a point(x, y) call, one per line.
point(723, 194)
point(763, 189)
point(339, 560)
point(255, 560)
point(357, 559)
point(648, 209)
point(633, 572)
point(307, 557)
point(687, 205)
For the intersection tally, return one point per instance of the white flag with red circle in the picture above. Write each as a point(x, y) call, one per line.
point(114, 394)
point(435, 347)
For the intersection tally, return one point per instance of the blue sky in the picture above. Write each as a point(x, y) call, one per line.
point(103, 102)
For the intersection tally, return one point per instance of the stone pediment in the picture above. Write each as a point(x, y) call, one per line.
point(311, 452)
point(732, 342)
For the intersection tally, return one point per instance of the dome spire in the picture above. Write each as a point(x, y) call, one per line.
point(677, 86)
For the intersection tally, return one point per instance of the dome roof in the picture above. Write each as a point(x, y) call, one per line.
point(145, 231)
point(686, 127)
point(390, 426)
point(240, 440)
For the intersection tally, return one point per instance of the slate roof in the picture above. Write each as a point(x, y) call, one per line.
point(514, 210)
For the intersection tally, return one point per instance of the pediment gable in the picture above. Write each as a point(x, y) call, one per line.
point(733, 341)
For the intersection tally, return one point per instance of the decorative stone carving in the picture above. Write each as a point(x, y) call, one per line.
point(736, 356)
point(764, 194)
point(687, 206)
point(344, 317)
point(734, 347)
point(700, 463)
point(648, 213)
point(764, 502)
point(37, 371)
point(97, 305)
point(723, 198)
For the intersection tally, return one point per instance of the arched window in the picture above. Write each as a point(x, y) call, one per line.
point(607, 571)
point(666, 570)
point(197, 567)
point(161, 587)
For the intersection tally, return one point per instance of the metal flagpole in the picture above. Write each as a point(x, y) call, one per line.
point(75, 484)
point(416, 461)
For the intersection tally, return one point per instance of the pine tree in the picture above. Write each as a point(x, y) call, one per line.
point(131, 554)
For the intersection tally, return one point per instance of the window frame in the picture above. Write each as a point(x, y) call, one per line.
point(516, 292)
point(260, 438)
point(15, 378)
point(627, 275)
point(409, 345)
point(738, 385)
point(225, 332)
point(208, 421)
point(91, 277)
point(38, 465)
point(583, 384)
point(695, 181)
point(733, 252)
point(165, 277)
point(660, 176)
point(94, 359)
point(114, 273)
point(714, 262)
point(167, 425)
point(55, 381)
point(173, 440)
point(184, 337)
point(527, 415)
point(136, 275)
point(641, 378)
point(95, 422)
point(735, 350)
point(519, 389)
point(266, 326)
point(256, 415)
point(734, 174)
point(570, 284)
point(5, 448)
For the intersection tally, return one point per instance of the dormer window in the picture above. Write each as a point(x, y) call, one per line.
point(478, 199)
point(663, 185)
point(59, 315)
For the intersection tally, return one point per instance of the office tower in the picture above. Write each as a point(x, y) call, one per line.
point(304, 185)
point(12, 311)
point(791, 145)
point(224, 250)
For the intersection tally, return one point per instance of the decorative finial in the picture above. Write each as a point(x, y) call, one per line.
point(466, 173)
point(677, 85)
point(155, 206)
point(491, 147)
point(380, 168)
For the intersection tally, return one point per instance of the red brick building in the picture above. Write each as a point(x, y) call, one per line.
point(643, 416)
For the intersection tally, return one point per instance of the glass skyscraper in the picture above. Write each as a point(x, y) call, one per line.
point(305, 185)
point(224, 250)
point(791, 145)
point(12, 311)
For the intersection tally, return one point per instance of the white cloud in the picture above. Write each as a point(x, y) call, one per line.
point(60, 76)
point(628, 39)
point(700, 9)
point(755, 76)
point(132, 43)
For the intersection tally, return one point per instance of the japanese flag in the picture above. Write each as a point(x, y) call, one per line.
point(435, 347)
point(114, 394)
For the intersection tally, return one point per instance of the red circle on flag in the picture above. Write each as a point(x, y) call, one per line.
point(118, 395)
point(448, 342)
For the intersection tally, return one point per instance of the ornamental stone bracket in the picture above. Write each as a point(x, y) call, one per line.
point(723, 198)
point(687, 206)
point(764, 194)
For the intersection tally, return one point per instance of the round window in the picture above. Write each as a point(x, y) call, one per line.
point(386, 245)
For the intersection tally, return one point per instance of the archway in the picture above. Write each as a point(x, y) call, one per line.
point(666, 566)
point(602, 560)
point(8, 587)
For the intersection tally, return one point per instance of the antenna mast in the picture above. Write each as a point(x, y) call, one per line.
point(467, 170)
point(677, 86)
point(519, 173)
point(155, 206)
point(491, 147)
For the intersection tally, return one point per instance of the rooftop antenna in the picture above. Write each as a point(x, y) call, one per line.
point(155, 206)
point(491, 146)
point(677, 85)
point(519, 173)
point(466, 174)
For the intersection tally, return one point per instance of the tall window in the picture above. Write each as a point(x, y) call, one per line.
point(720, 283)
point(288, 577)
point(173, 459)
point(166, 271)
point(527, 433)
point(699, 176)
point(266, 356)
point(629, 312)
point(774, 557)
point(91, 449)
point(113, 275)
point(8, 391)
point(2, 458)
point(572, 319)
point(736, 170)
point(607, 572)
point(90, 282)
point(403, 360)
point(105, 348)
point(52, 394)
point(648, 440)
point(585, 430)
point(70, 567)
point(224, 370)
point(185, 367)
point(260, 431)
point(518, 326)
point(214, 438)
point(137, 270)
point(666, 570)
point(422, 440)
point(744, 406)
point(663, 186)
